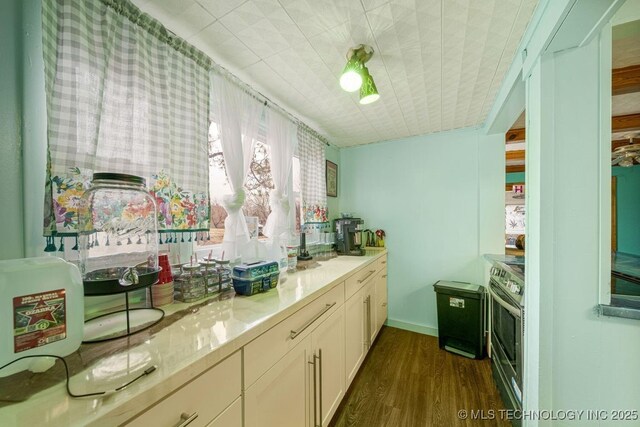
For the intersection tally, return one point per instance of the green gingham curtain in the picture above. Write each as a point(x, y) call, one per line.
point(123, 95)
point(312, 175)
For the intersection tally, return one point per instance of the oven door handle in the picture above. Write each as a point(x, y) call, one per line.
point(505, 304)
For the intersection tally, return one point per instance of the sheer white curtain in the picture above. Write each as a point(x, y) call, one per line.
point(238, 117)
point(282, 139)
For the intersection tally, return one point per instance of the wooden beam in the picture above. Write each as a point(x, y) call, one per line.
point(619, 143)
point(630, 122)
point(625, 80)
point(514, 135)
point(515, 155)
point(515, 168)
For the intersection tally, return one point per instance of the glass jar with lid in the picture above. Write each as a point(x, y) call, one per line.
point(191, 285)
point(118, 235)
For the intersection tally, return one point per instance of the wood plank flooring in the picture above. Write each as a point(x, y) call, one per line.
point(407, 381)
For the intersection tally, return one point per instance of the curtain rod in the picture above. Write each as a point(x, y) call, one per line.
point(260, 97)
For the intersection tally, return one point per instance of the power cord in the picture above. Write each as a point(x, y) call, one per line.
point(146, 372)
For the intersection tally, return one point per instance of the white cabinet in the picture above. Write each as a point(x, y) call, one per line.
point(231, 417)
point(360, 322)
point(370, 314)
point(381, 302)
point(280, 397)
point(327, 341)
point(305, 386)
point(355, 343)
point(200, 401)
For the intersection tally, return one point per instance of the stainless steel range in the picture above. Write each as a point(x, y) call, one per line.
point(506, 288)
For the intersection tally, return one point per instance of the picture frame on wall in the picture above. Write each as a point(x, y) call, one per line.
point(331, 173)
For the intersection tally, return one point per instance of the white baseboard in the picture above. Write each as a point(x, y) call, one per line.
point(425, 330)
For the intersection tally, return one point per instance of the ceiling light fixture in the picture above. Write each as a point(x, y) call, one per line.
point(351, 79)
point(368, 90)
point(356, 76)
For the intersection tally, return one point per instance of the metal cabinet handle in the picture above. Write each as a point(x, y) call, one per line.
point(320, 383)
point(367, 302)
point(367, 276)
point(187, 419)
point(317, 383)
point(315, 390)
point(326, 308)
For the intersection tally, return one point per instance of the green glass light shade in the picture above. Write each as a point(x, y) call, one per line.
point(368, 90)
point(351, 79)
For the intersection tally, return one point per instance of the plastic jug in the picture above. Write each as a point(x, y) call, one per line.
point(41, 311)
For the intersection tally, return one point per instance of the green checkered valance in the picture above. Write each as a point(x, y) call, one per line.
point(123, 95)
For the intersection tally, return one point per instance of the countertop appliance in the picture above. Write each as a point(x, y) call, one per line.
point(506, 289)
point(349, 236)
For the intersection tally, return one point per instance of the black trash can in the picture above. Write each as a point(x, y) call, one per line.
point(461, 312)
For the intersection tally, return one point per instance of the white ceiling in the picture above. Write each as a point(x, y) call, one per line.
point(438, 64)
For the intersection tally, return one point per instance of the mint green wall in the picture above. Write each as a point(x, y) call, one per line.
point(628, 220)
point(515, 177)
point(34, 131)
point(575, 358)
point(11, 141)
point(333, 154)
point(440, 199)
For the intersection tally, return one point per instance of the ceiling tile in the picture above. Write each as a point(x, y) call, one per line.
point(438, 64)
point(220, 8)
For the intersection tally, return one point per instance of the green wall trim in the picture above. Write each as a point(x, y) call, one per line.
point(421, 329)
point(515, 177)
point(628, 199)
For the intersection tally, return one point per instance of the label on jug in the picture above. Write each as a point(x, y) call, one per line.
point(39, 319)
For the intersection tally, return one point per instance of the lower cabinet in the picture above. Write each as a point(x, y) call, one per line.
point(381, 300)
point(231, 417)
point(202, 401)
point(355, 343)
point(328, 389)
point(370, 315)
point(280, 397)
point(305, 387)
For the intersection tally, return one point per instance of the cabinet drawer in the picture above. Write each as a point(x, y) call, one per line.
point(207, 396)
point(356, 281)
point(263, 352)
point(382, 262)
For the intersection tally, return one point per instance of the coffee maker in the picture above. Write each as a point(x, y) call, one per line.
point(349, 236)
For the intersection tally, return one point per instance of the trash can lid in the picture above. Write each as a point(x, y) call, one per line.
point(457, 286)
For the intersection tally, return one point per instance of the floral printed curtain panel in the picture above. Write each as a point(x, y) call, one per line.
point(126, 96)
point(312, 175)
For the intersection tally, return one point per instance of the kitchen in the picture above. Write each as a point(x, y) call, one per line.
point(439, 193)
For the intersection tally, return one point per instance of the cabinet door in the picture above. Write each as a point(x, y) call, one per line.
point(354, 310)
point(370, 314)
point(231, 417)
point(327, 341)
point(381, 300)
point(280, 397)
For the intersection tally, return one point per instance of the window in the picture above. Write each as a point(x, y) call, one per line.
point(258, 185)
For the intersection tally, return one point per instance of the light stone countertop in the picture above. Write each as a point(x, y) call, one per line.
point(181, 352)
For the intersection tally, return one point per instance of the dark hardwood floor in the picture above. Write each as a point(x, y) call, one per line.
point(407, 381)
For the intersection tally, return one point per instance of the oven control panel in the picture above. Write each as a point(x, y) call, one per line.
point(508, 281)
